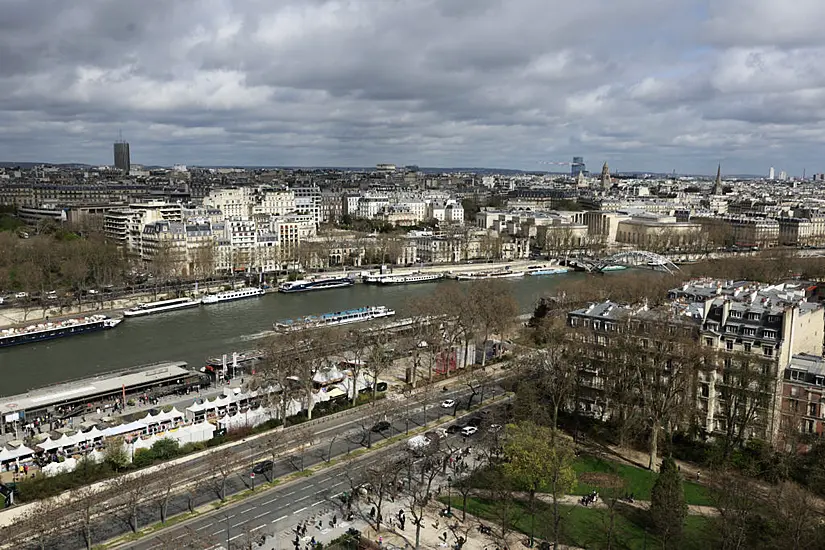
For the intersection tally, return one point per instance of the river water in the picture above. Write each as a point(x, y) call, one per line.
point(193, 335)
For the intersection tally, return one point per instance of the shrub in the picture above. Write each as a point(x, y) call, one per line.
point(165, 449)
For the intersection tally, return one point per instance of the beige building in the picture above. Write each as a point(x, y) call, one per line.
point(657, 234)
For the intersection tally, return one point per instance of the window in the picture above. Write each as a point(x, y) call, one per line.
point(749, 331)
point(730, 328)
point(753, 316)
point(812, 409)
point(767, 351)
point(708, 341)
point(705, 390)
point(736, 314)
point(769, 333)
point(729, 345)
point(747, 347)
point(794, 393)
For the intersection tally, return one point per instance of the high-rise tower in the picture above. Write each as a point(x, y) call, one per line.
point(577, 166)
point(717, 187)
point(122, 160)
point(771, 174)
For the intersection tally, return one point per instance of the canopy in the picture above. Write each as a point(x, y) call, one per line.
point(5, 455)
point(123, 429)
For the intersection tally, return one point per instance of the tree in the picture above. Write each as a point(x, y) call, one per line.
point(275, 373)
point(421, 472)
point(556, 369)
point(797, 516)
point(220, 464)
point(537, 458)
point(736, 500)
point(130, 492)
point(162, 489)
point(381, 483)
point(493, 308)
point(114, 453)
point(667, 503)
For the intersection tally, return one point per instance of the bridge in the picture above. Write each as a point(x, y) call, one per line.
point(626, 258)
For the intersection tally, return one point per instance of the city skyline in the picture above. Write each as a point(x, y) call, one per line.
point(648, 85)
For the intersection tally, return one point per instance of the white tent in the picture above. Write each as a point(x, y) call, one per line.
point(5, 455)
point(55, 468)
point(123, 429)
point(21, 452)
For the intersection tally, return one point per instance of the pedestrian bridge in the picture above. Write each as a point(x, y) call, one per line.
point(628, 258)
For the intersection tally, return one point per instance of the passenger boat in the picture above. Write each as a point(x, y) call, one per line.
point(162, 306)
point(537, 270)
point(477, 276)
point(305, 285)
point(242, 360)
point(410, 278)
point(230, 295)
point(349, 316)
point(48, 331)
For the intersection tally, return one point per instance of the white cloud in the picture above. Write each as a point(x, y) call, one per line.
point(645, 84)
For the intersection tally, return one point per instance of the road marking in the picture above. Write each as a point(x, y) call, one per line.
point(319, 502)
point(247, 510)
point(203, 527)
point(217, 532)
point(236, 536)
point(258, 527)
point(279, 519)
point(292, 493)
point(302, 498)
point(262, 515)
point(239, 524)
point(270, 501)
point(299, 511)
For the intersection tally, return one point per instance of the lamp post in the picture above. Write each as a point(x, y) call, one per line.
point(449, 495)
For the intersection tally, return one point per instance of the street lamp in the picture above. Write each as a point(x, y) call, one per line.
point(449, 496)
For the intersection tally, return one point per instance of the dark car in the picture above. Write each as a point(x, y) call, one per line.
point(454, 428)
point(475, 422)
point(381, 426)
point(262, 467)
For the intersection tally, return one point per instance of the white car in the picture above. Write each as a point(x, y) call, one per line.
point(494, 428)
point(91, 292)
point(468, 431)
point(448, 404)
point(22, 295)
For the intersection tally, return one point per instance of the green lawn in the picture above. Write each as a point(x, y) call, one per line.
point(638, 480)
point(587, 527)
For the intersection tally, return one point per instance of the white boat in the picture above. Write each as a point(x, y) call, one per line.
point(410, 278)
point(535, 271)
point(614, 268)
point(229, 295)
point(321, 283)
point(162, 306)
point(334, 319)
point(477, 276)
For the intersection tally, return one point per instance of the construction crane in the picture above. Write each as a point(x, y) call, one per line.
point(555, 163)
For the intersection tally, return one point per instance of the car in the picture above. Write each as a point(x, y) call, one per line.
point(454, 428)
point(381, 426)
point(475, 422)
point(468, 431)
point(494, 428)
point(441, 432)
point(262, 467)
point(91, 292)
point(22, 295)
point(51, 295)
point(448, 404)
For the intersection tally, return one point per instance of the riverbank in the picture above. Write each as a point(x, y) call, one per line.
point(13, 317)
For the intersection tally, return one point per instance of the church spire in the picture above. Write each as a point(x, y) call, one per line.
point(605, 177)
point(717, 187)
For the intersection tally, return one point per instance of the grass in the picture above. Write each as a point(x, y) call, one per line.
point(587, 527)
point(638, 481)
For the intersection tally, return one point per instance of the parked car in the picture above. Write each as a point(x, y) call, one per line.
point(441, 433)
point(454, 428)
point(448, 404)
point(468, 431)
point(494, 428)
point(474, 422)
point(381, 426)
point(262, 467)
point(21, 295)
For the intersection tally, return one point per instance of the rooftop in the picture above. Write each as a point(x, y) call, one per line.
point(105, 383)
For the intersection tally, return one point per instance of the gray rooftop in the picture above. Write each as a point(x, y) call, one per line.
point(105, 383)
point(809, 363)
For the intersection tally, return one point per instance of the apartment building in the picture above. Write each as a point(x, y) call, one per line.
point(748, 335)
point(803, 394)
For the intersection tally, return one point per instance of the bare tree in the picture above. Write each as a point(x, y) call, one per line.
point(130, 493)
point(302, 438)
point(85, 505)
point(162, 489)
point(381, 484)
point(421, 475)
point(493, 308)
point(275, 374)
point(220, 464)
point(736, 500)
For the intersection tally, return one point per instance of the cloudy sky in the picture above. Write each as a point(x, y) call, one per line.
point(642, 84)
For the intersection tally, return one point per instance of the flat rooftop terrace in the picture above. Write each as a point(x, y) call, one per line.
point(108, 383)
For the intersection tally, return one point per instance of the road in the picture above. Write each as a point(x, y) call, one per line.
point(335, 439)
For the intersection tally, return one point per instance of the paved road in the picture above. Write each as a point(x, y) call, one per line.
point(335, 439)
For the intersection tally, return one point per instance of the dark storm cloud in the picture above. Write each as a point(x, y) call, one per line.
point(652, 84)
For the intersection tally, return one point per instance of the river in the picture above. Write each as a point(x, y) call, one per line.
point(192, 335)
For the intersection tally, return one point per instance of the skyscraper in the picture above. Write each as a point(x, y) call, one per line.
point(122, 160)
point(577, 166)
point(771, 174)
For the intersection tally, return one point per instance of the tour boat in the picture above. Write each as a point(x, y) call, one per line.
point(229, 295)
point(334, 319)
point(305, 285)
point(59, 329)
point(161, 306)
